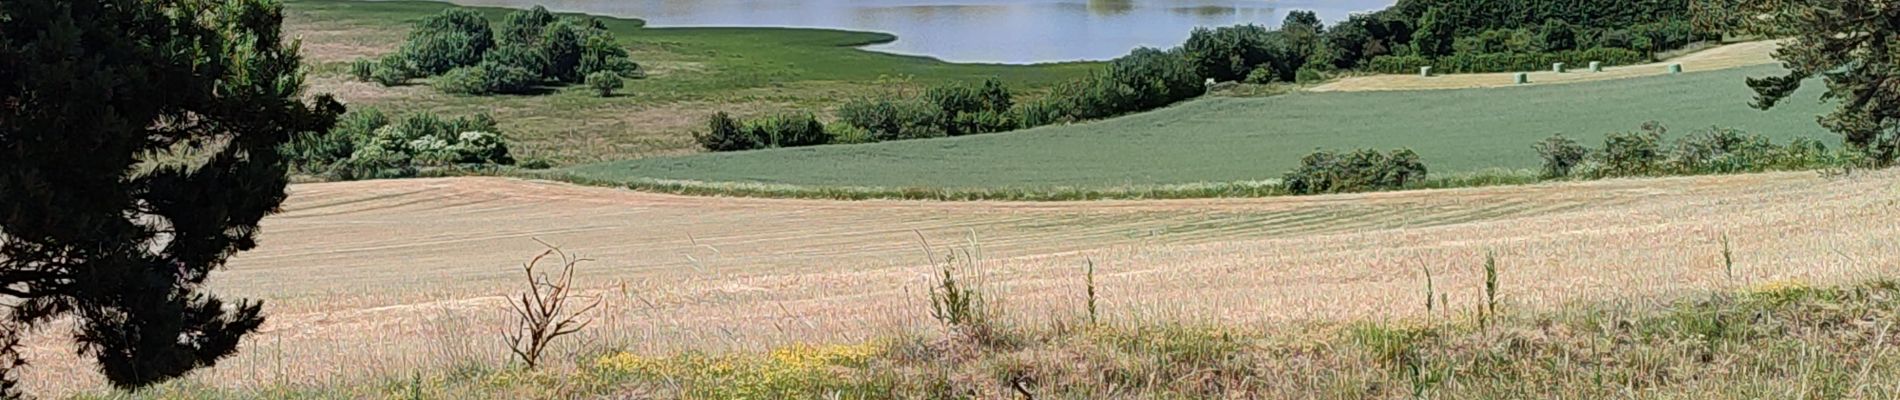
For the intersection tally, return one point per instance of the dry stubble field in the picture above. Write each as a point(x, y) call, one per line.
point(378, 277)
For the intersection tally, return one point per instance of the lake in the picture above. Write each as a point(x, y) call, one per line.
point(993, 31)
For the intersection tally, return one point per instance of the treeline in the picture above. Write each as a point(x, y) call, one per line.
point(532, 49)
point(1145, 79)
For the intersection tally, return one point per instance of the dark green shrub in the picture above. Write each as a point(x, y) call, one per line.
point(1558, 36)
point(1561, 155)
point(789, 130)
point(1722, 150)
point(524, 26)
point(723, 133)
point(366, 144)
point(605, 83)
point(960, 106)
point(1633, 153)
point(488, 78)
point(1362, 170)
point(520, 56)
point(601, 53)
point(456, 37)
point(996, 96)
point(1309, 75)
point(1227, 53)
point(1046, 111)
point(1261, 76)
point(364, 70)
point(1499, 41)
point(1145, 79)
point(561, 45)
point(391, 70)
point(1436, 34)
point(884, 120)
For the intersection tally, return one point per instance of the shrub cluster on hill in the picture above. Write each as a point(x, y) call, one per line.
point(532, 48)
point(1328, 171)
point(1713, 151)
point(368, 144)
point(725, 133)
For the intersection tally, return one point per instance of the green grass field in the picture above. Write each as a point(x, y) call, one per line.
point(1246, 139)
point(693, 72)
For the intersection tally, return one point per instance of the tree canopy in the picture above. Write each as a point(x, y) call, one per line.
point(1854, 45)
point(139, 149)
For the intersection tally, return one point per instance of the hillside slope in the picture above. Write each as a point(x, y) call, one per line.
point(1236, 139)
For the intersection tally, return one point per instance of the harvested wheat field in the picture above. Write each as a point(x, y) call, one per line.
point(363, 278)
point(1723, 57)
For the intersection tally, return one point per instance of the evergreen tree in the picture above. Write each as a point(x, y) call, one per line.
point(90, 91)
point(1853, 45)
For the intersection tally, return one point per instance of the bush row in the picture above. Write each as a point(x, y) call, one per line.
point(1505, 62)
point(533, 48)
point(1713, 151)
point(1328, 171)
point(367, 144)
point(725, 133)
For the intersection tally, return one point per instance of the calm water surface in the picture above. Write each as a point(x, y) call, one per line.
point(1003, 31)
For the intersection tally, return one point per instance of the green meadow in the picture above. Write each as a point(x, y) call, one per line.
point(1217, 139)
point(692, 72)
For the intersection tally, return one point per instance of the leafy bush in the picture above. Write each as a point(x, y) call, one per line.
point(1309, 75)
point(1558, 36)
point(1145, 79)
point(1227, 53)
point(454, 38)
point(605, 82)
point(1046, 111)
point(884, 119)
point(723, 133)
point(966, 110)
point(368, 144)
point(488, 78)
point(1261, 76)
point(1362, 170)
point(1561, 155)
point(1499, 41)
point(789, 130)
point(391, 70)
point(363, 70)
point(1633, 153)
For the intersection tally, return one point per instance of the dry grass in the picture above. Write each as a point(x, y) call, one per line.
point(382, 277)
point(1724, 57)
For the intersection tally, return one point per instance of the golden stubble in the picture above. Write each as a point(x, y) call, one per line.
point(373, 278)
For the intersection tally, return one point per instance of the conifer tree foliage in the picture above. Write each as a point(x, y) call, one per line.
point(1854, 45)
point(90, 91)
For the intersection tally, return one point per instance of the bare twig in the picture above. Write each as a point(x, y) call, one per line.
point(549, 308)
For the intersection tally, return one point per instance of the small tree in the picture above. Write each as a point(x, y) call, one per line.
point(605, 83)
point(1561, 155)
point(723, 133)
point(549, 309)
